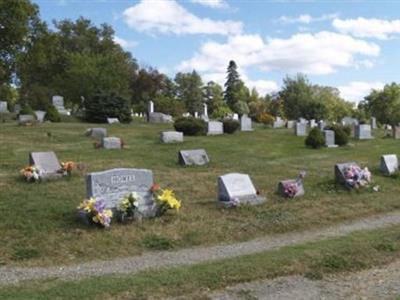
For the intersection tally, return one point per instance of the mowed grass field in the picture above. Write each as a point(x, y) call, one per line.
point(38, 222)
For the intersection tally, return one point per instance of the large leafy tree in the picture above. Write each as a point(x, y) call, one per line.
point(189, 87)
point(213, 95)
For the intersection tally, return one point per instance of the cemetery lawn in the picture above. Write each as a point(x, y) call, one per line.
point(355, 252)
point(38, 224)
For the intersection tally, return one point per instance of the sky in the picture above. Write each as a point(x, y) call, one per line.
point(351, 45)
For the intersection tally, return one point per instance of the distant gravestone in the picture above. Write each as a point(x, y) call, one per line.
point(235, 117)
point(313, 124)
point(58, 102)
point(389, 164)
point(300, 129)
point(299, 183)
point(26, 119)
point(111, 143)
point(113, 121)
point(245, 123)
point(205, 110)
point(302, 120)
point(160, 118)
point(197, 157)
point(363, 132)
point(215, 128)
point(47, 163)
point(340, 171)
point(348, 121)
point(171, 137)
point(330, 139)
point(373, 123)
point(396, 132)
point(290, 124)
point(17, 108)
point(278, 123)
point(112, 185)
point(237, 188)
point(150, 108)
point(40, 114)
point(3, 107)
point(97, 132)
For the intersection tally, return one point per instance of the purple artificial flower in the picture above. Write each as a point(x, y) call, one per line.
point(100, 206)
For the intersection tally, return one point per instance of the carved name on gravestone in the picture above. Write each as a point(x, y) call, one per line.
point(26, 119)
point(47, 163)
point(97, 133)
point(111, 143)
point(112, 185)
point(237, 188)
point(340, 171)
point(363, 132)
point(171, 137)
point(389, 164)
point(330, 139)
point(112, 121)
point(3, 107)
point(215, 128)
point(300, 129)
point(40, 115)
point(299, 183)
point(160, 118)
point(396, 132)
point(196, 157)
point(245, 123)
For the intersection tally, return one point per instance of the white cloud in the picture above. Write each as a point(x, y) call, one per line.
point(355, 91)
point(125, 43)
point(167, 16)
point(319, 53)
point(368, 28)
point(306, 19)
point(212, 3)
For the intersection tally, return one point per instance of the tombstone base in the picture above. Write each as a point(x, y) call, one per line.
point(257, 200)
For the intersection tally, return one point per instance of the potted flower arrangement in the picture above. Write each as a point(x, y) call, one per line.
point(127, 207)
point(94, 211)
point(31, 173)
point(356, 177)
point(165, 199)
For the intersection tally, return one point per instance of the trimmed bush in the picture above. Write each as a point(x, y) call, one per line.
point(230, 126)
point(342, 134)
point(315, 139)
point(265, 118)
point(52, 114)
point(101, 106)
point(190, 126)
point(26, 109)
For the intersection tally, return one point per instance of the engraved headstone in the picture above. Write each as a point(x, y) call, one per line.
point(171, 137)
point(340, 171)
point(196, 157)
point(112, 185)
point(300, 188)
point(300, 129)
point(40, 114)
point(363, 132)
point(112, 121)
point(215, 128)
point(97, 132)
point(330, 139)
point(47, 163)
point(3, 107)
point(26, 119)
point(278, 123)
point(111, 143)
point(237, 188)
point(58, 102)
point(245, 123)
point(389, 164)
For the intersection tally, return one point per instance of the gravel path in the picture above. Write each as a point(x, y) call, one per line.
point(379, 283)
point(132, 265)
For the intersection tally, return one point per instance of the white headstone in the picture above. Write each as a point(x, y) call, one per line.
point(112, 121)
point(279, 123)
point(246, 123)
point(363, 132)
point(112, 143)
point(97, 132)
point(330, 138)
point(313, 123)
point(301, 129)
point(215, 128)
point(26, 119)
point(290, 124)
point(205, 113)
point(235, 117)
point(171, 137)
point(196, 114)
point(40, 114)
point(156, 117)
point(3, 107)
point(151, 107)
point(389, 164)
point(196, 157)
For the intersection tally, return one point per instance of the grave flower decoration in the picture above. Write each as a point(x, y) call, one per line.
point(290, 189)
point(165, 199)
point(95, 211)
point(356, 177)
point(31, 173)
point(67, 167)
point(128, 205)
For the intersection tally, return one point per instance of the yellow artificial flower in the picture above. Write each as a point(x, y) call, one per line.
point(168, 197)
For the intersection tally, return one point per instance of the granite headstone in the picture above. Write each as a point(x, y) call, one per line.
point(215, 128)
point(171, 137)
point(389, 164)
point(246, 123)
point(47, 163)
point(197, 157)
point(111, 142)
point(363, 132)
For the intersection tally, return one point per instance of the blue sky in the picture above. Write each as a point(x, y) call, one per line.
point(352, 45)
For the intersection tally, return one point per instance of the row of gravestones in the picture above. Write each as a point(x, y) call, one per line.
point(233, 188)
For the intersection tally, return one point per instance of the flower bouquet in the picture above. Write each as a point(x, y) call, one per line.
point(127, 207)
point(293, 188)
point(94, 212)
point(31, 173)
point(165, 199)
point(67, 167)
point(355, 177)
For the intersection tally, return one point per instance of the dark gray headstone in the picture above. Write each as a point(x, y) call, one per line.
point(215, 128)
point(196, 157)
point(111, 143)
point(300, 129)
point(239, 188)
point(246, 123)
point(26, 119)
point(47, 163)
point(171, 137)
point(363, 132)
point(339, 171)
point(389, 164)
point(112, 185)
point(300, 191)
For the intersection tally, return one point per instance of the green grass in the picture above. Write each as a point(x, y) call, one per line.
point(39, 227)
point(354, 252)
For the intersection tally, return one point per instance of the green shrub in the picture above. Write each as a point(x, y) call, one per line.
point(221, 112)
point(52, 114)
point(26, 109)
point(230, 126)
point(342, 134)
point(101, 106)
point(315, 139)
point(190, 126)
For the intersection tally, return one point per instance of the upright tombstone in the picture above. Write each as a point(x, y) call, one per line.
point(215, 128)
point(171, 137)
point(58, 102)
point(396, 132)
point(98, 133)
point(40, 114)
point(111, 143)
point(150, 107)
point(313, 123)
point(236, 188)
point(389, 164)
point(3, 107)
point(245, 123)
point(113, 121)
point(17, 108)
point(330, 139)
point(290, 124)
point(235, 117)
point(205, 110)
point(278, 123)
point(196, 114)
point(340, 171)
point(363, 132)
point(197, 157)
point(47, 164)
point(321, 125)
point(303, 121)
point(300, 129)
point(113, 185)
point(373, 123)
point(26, 120)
